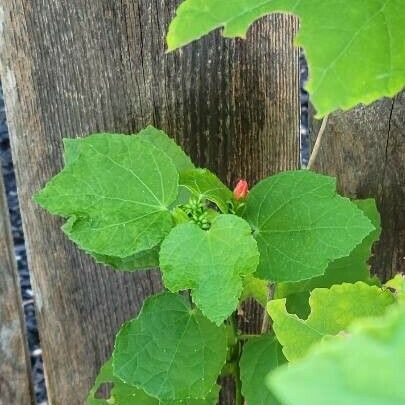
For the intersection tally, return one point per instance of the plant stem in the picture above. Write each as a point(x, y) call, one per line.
point(232, 370)
point(266, 319)
point(317, 145)
point(238, 384)
point(247, 336)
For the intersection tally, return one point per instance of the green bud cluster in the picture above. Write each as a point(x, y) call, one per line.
point(196, 211)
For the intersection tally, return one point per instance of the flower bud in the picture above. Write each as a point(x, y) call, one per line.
point(241, 190)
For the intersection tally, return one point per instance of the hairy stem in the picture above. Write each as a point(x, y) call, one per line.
point(266, 318)
point(247, 336)
point(238, 383)
point(317, 145)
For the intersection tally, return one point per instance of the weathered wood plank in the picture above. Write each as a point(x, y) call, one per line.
point(73, 68)
point(15, 378)
point(365, 149)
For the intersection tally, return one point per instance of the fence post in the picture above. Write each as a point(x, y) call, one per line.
point(79, 67)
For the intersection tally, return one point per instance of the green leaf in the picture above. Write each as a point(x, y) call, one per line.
point(347, 269)
point(124, 394)
point(148, 258)
point(254, 288)
point(115, 193)
point(204, 184)
point(301, 225)
point(260, 356)
point(170, 350)
point(167, 145)
point(210, 263)
point(355, 49)
point(363, 367)
point(140, 261)
point(332, 311)
point(398, 285)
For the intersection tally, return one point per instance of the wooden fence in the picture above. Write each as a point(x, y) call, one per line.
point(77, 67)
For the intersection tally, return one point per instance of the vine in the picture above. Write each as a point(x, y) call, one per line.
point(135, 201)
point(317, 145)
point(291, 242)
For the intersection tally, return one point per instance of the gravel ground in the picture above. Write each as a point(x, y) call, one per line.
point(21, 257)
point(18, 236)
point(304, 125)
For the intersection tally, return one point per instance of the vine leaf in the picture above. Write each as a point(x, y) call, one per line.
point(347, 269)
point(115, 191)
point(210, 263)
point(204, 184)
point(170, 350)
point(124, 394)
point(139, 261)
point(355, 51)
point(301, 225)
point(332, 311)
point(363, 367)
point(260, 356)
point(147, 258)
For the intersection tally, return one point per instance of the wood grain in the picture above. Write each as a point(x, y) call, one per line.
point(15, 379)
point(365, 149)
point(77, 67)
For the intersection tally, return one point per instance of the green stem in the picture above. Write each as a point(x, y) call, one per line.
point(232, 368)
point(247, 336)
point(266, 319)
point(238, 386)
point(228, 370)
point(317, 145)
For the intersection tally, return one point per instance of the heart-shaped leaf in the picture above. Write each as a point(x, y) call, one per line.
point(170, 350)
point(125, 394)
point(301, 224)
point(147, 258)
point(348, 269)
point(116, 191)
point(210, 263)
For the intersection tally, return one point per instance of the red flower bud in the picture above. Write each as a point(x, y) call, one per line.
point(241, 190)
